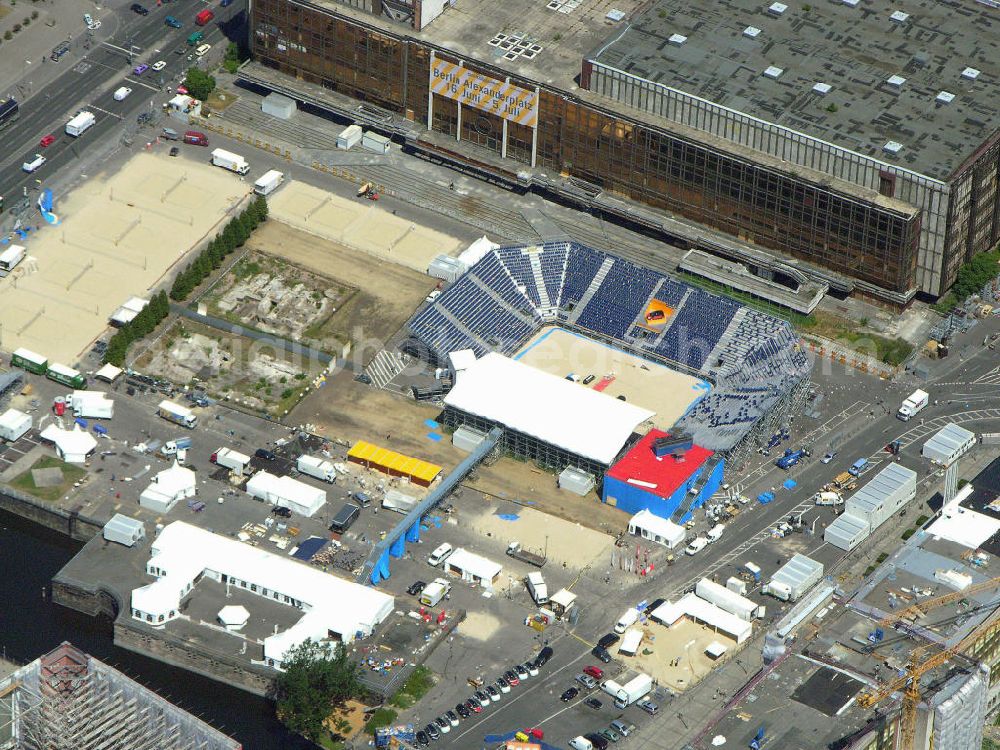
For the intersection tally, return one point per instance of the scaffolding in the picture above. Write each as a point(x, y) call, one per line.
point(67, 700)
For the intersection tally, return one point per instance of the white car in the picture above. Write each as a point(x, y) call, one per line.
point(91, 23)
point(122, 93)
point(696, 546)
point(159, 65)
point(202, 50)
point(433, 295)
point(31, 166)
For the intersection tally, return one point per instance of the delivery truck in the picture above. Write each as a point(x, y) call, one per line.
point(174, 447)
point(30, 361)
point(91, 405)
point(634, 690)
point(537, 588)
point(232, 460)
point(316, 467)
point(345, 518)
point(912, 405)
point(10, 257)
point(269, 182)
point(229, 160)
point(65, 375)
point(177, 414)
point(80, 123)
point(434, 592)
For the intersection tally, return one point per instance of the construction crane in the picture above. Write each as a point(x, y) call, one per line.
point(909, 685)
point(911, 613)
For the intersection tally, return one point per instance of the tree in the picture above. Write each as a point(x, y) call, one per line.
point(261, 205)
point(317, 676)
point(199, 83)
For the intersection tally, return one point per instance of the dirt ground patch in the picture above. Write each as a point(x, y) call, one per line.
point(671, 661)
point(275, 296)
point(254, 375)
point(387, 293)
point(479, 626)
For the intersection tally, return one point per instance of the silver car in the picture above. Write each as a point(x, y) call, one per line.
point(586, 680)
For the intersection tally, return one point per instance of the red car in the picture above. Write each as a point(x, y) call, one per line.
point(47, 140)
point(655, 315)
point(596, 672)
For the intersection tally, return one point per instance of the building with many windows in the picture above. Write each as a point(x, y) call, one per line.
point(851, 142)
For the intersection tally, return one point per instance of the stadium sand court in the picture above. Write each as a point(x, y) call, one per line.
point(118, 236)
point(616, 373)
point(360, 224)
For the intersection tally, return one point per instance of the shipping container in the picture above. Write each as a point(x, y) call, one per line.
point(28, 360)
point(349, 137)
point(372, 141)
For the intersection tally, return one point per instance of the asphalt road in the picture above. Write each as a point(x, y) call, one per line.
point(89, 84)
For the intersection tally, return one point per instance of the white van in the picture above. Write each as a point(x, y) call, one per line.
point(581, 743)
point(439, 555)
point(122, 93)
point(31, 166)
point(715, 533)
point(696, 546)
point(627, 620)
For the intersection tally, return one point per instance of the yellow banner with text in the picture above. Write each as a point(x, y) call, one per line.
point(482, 92)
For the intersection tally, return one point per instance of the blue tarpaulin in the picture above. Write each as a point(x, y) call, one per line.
point(100, 429)
point(788, 484)
point(309, 547)
point(434, 436)
point(431, 423)
point(765, 497)
point(81, 422)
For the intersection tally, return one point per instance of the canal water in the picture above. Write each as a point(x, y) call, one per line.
point(31, 625)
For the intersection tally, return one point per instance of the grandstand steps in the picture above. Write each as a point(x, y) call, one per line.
point(543, 293)
point(450, 317)
point(655, 342)
point(490, 292)
point(727, 338)
point(640, 318)
point(599, 277)
point(385, 366)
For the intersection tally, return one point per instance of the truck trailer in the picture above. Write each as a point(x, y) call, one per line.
point(232, 460)
point(317, 468)
point(10, 257)
point(91, 405)
point(177, 414)
point(229, 160)
point(80, 123)
point(913, 404)
point(634, 690)
point(66, 375)
point(434, 592)
point(269, 182)
point(30, 361)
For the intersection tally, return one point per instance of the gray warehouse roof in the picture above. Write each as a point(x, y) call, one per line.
point(922, 73)
point(947, 443)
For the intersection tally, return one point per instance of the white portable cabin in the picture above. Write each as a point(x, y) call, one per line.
point(349, 137)
point(472, 567)
point(653, 528)
point(372, 141)
point(847, 532)
point(14, 424)
point(124, 530)
point(888, 491)
point(794, 578)
point(725, 599)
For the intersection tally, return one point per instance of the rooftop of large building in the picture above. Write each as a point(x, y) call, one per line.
point(920, 73)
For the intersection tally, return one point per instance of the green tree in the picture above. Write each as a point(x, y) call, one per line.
point(317, 676)
point(199, 83)
point(261, 205)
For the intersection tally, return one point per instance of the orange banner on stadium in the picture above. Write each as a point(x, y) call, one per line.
point(482, 92)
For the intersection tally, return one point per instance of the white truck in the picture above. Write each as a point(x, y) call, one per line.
point(537, 588)
point(434, 592)
point(229, 160)
point(80, 123)
point(10, 257)
point(316, 467)
point(269, 182)
point(634, 690)
point(91, 405)
point(627, 620)
point(177, 414)
point(913, 404)
point(232, 460)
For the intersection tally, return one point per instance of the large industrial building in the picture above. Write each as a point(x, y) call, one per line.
point(851, 144)
point(68, 700)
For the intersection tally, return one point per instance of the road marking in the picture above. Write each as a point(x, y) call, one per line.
point(104, 111)
point(136, 81)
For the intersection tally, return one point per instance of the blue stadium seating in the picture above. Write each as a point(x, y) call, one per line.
point(620, 299)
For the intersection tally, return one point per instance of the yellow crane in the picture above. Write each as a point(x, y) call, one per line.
point(922, 660)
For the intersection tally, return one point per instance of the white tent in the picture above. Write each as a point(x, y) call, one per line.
point(168, 488)
point(286, 492)
point(333, 607)
point(473, 567)
point(109, 373)
point(72, 446)
point(562, 602)
point(656, 529)
point(127, 312)
point(234, 616)
point(476, 251)
point(693, 606)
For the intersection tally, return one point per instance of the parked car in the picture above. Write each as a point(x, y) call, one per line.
point(503, 685)
point(432, 731)
point(587, 681)
point(522, 672)
point(596, 672)
point(648, 706)
point(543, 656)
point(265, 454)
point(452, 718)
point(483, 698)
point(422, 739)
point(531, 667)
point(601, 653)
point(569, 695)
point(174, 24)
point(136, 8)
point(623, 728)
point(594, 703)
point(656, 604)
point(610, 734)
point(696, 546)
point(202, 50)
point(140, 69)
point(828, 457)
point(608, 640)
point(415, 588)
point(463, 710)
point(443, 724)
point(511, 676)
point(159, 65)
point(599, 742)
point(47, 140)
point(282, 511)
point(474, 705)
point(494, 694)
point(174, 151)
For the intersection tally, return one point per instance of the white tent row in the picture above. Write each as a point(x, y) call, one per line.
point(333, 606)
point(286, 492)
point(693, 606)
point(73, 446)
point(657, 529)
